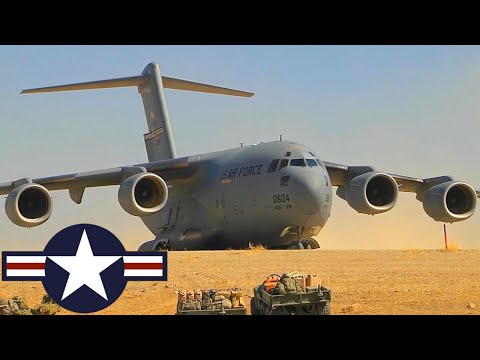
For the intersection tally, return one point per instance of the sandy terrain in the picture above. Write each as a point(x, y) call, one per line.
point(380, 281)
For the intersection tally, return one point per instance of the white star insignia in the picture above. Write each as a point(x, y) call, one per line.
point(84, 268)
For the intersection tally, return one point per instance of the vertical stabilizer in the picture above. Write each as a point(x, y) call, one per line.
point(159, 139)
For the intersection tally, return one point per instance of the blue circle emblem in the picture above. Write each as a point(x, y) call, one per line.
point(84, 268)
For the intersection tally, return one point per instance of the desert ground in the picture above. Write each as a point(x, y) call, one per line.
point(374, 281)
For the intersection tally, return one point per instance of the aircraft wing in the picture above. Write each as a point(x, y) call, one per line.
point(179, 168)
point(340, 175)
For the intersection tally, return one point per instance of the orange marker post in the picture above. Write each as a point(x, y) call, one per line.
point(445, 235)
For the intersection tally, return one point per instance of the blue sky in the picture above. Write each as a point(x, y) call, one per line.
point(412, 110)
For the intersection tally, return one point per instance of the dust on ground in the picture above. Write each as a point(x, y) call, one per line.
point(380, 281)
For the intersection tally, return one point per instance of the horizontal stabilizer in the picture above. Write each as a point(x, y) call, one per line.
point(102, 84)
point(180, 84)
point(168, 83)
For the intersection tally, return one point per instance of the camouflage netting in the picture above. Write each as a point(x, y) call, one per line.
point(18, 306)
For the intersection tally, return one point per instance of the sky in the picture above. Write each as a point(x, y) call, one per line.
point(410, 110)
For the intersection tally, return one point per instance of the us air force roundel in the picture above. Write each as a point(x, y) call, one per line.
point(84, 268)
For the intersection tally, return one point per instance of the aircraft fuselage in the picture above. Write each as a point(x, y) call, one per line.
point(271, 194)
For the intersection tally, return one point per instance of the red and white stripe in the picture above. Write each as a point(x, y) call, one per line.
point(34, 266)
point(143, 266)
point(25, 266)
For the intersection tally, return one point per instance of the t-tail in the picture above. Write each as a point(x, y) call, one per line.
point(159, 139)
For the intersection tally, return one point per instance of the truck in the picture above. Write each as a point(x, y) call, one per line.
point(314, 301)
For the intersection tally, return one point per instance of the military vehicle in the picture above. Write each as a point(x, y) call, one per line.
point(311, 300)
point(211, 302)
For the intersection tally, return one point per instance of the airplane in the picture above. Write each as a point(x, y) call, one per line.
point(277, 194)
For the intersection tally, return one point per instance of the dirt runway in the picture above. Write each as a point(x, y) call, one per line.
point(379, 281)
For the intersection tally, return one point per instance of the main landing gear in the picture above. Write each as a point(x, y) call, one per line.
point(162, 246)
point(304, 244)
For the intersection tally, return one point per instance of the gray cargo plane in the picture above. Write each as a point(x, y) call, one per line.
point(278, 194)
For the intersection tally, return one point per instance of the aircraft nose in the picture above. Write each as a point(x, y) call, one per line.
point(308, 192)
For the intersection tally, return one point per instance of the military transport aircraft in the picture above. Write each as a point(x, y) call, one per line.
point(278, 194)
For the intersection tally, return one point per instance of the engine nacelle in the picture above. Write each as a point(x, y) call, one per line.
point(372, 193)
point(450, 201)
point(143, 194)
point(29, 205)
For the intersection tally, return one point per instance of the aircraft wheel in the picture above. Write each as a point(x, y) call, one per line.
point(310, 244)
point(306, 244)
point(296, 245)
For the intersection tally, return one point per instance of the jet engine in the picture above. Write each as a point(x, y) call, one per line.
point(372, 193)
point(450, 201)
point(29, 205)
point(143, 194)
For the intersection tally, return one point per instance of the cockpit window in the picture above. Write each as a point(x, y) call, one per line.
point(311, 162)
point(273, 165)
point(283, 164)
point(297, 162)
point(320, 163)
